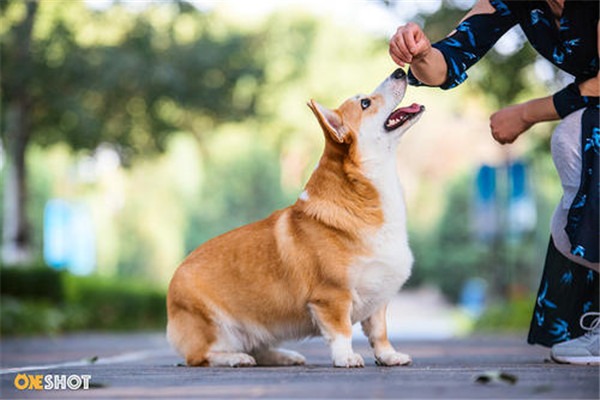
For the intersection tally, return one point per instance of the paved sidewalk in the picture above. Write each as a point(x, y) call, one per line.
point(143, 366)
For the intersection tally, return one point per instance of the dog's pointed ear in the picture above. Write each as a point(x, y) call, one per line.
point(330, 121)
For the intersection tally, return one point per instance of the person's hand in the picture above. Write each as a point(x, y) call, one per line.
point(508, 123)
point(409, 44)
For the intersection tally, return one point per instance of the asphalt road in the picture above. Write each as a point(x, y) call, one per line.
point(143, 366)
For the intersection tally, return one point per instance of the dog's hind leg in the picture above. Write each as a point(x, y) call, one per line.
point(276, 356)
point(191, 334)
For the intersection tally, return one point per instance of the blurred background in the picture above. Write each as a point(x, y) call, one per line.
point(133, 131)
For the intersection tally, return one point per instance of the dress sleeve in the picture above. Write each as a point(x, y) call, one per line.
point(470, 41)
point(569, 100)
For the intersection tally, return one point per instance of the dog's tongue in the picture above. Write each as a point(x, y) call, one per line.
point(404, 112)
point(398, 117)
point(413, 108)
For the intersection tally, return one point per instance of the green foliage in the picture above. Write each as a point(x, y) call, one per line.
point(439, 24)
point(41, 300)
point(30, 317)
point(132, 92)
point(39, 282)
point(448, 256)
point(115, 304)
point(508, 316)
point(252, 191)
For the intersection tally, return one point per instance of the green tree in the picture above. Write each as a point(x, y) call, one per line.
point(132, 92)
point(16, 130)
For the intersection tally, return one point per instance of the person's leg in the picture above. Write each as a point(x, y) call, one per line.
point(566, 149)
point(567, 290)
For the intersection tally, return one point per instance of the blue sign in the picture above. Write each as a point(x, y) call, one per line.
point(503, 202)
point(473, 296)
point(522, 215)
point(69, 240)
point(485, 218)
point(57, 220)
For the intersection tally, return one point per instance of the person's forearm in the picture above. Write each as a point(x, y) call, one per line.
point(539, 110)
point(510, 122)
point(430, 69)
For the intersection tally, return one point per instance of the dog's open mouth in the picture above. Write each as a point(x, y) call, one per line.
point(399, 116)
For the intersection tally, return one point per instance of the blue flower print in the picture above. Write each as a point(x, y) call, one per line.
point(539, 318)
point(586, 307)
point(458, 71)
point(465, 27)
point(542, 301)
point(594, 141)
point(560, 330)
point(590, 277)
point(537, 16)
point(564, 24)
point(578, 251)
point(500, 7)
point(558, 56)
point(569, 44)
point(580, 201)
point(567, 278)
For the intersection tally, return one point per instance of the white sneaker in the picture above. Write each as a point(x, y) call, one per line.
point(585, 350)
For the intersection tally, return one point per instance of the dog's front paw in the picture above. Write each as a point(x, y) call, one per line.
point(393, 359)
point(224, 359)
point(353, 360)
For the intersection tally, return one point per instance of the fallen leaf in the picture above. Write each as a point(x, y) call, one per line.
point(496, 376)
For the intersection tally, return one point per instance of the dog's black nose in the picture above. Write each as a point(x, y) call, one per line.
point(398, 74)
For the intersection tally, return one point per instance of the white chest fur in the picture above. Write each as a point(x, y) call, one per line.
point(376, 278)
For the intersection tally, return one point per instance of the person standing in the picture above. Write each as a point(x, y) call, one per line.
point(565, 32)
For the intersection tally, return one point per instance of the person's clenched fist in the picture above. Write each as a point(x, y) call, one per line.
point(408, 44)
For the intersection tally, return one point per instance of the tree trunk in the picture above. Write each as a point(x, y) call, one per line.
point(16, 236)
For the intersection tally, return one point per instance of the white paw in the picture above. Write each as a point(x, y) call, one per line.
point(283, 357)
point(231, 360)
point(289, 357)
point(353, 360)
point(244, 360)
point(393, 359)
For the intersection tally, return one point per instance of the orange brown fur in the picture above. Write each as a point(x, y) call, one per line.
point(277, 256)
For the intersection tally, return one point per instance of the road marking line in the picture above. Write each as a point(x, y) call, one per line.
point(120, 358)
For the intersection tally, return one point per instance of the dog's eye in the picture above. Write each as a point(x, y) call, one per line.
point(365, 103)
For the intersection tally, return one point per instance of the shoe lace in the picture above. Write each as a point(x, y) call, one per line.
point(594, 327)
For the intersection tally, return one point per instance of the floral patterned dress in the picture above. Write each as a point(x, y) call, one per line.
point(567, 290)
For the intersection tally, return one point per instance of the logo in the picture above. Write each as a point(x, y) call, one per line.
point(52, 382)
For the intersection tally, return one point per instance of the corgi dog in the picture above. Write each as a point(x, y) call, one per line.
point(334, 258)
